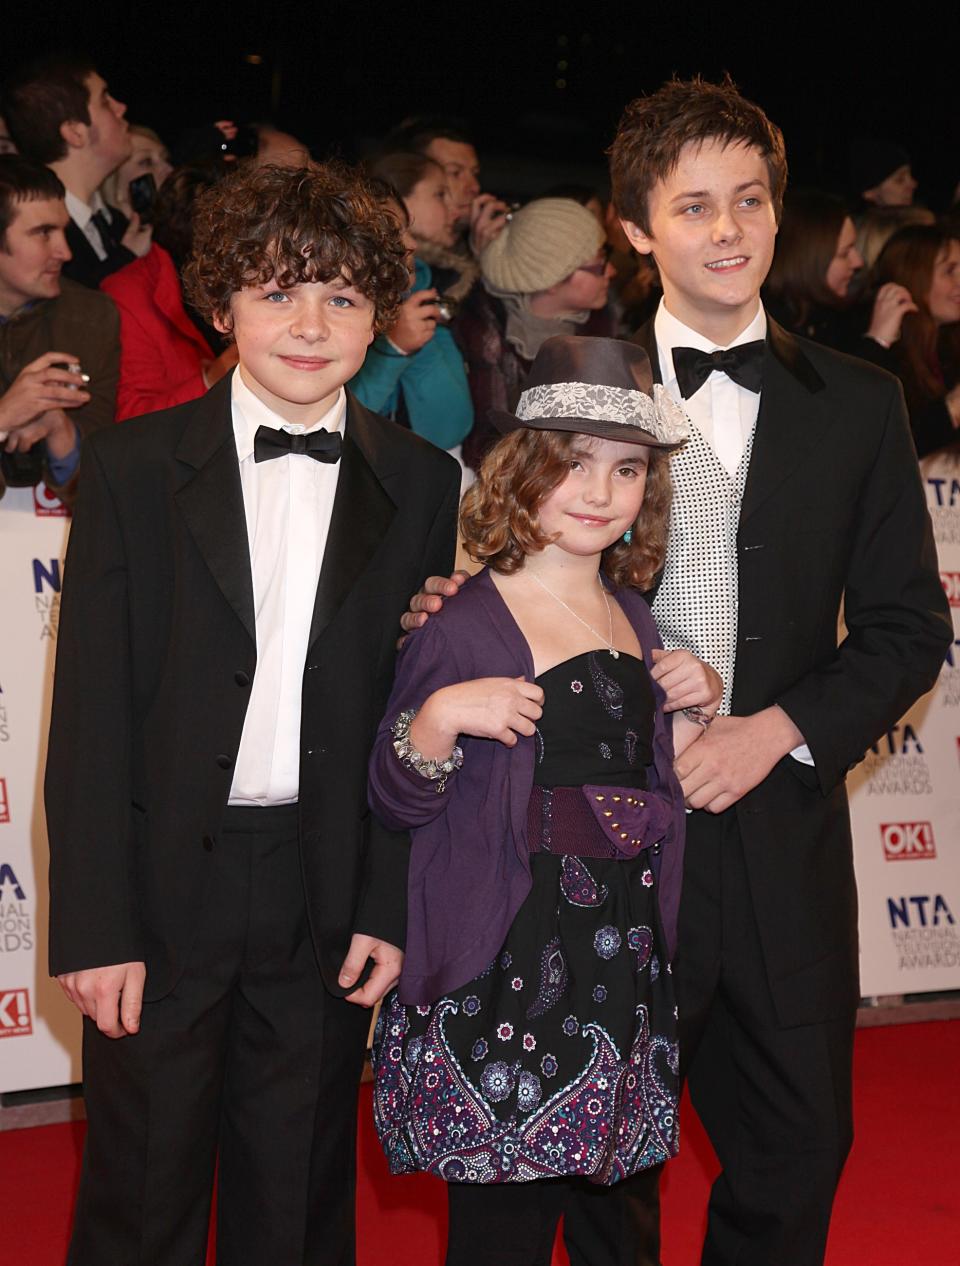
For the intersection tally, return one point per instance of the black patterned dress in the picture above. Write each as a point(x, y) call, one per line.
point(560, 1059)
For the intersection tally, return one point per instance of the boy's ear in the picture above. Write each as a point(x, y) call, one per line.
point(74, 133)
point(222, 324)
point(638, 239)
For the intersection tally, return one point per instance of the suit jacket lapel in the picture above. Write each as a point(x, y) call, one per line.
point(792, 418)
point(362, 514)
point(211, 500)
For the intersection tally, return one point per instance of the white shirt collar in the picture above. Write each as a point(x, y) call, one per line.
point(81, 213)
point(671, 332)
point(249, 413)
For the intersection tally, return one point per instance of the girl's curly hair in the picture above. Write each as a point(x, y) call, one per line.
point(294, 225)
point(498, 515)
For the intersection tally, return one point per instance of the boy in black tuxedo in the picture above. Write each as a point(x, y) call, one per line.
point(799, 490)
point(236, 570)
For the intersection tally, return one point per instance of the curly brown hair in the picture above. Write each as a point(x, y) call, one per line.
point(654, 130)
point(295, 225)
point(498, 515)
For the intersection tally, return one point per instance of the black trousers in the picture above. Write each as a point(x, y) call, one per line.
point(514, 1224)
point(249, 1067)
point(775, 1102)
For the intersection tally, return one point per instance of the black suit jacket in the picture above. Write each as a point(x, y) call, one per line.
point(86, 267)
point(833, 514)
point(156, 653)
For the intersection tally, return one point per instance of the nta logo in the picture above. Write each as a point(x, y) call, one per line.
point(905, 841)
point(8, 877)
point(951, 586)
point(919, 912)
point(4, 803)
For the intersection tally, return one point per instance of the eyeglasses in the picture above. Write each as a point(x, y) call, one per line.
point(600, 267)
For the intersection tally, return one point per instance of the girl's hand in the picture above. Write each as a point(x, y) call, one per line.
point(688, 681)
point(489, 707)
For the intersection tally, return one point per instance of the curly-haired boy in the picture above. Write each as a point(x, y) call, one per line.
point(236, 572)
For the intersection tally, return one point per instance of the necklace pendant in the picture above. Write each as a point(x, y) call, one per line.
point(614, 652)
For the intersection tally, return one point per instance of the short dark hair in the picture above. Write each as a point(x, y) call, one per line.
point(295, 225)
point(806, 243)
point(654, 130)
point(415, 134)
point(41, 97)
point(402, 170)
point(22, 180)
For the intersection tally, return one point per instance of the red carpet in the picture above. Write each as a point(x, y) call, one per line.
point(899, 1202)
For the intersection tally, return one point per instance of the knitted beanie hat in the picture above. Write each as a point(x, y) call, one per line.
point(544, 242)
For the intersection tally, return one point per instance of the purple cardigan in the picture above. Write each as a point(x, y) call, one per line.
point(469, 863)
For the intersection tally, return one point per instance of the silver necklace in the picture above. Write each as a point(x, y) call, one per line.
point(608, 641)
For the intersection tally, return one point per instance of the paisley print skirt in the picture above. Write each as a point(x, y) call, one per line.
point(559, 1059)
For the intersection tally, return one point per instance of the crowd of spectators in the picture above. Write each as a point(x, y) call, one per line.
point(95, 217)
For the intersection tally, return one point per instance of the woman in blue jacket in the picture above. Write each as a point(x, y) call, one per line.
point(414, 372)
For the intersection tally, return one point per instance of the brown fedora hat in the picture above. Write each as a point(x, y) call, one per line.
point(596, 386)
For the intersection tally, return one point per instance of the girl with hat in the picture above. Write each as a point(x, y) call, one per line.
point(528, 747)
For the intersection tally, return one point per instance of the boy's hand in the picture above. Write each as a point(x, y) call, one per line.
point(388, 962)
point(111, 996)
point(733, 757)
point(430, 599)
point(688, 681)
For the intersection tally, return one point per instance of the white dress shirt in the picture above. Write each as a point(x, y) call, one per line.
point(82, 216)
point(724, 412)
point(288, 502)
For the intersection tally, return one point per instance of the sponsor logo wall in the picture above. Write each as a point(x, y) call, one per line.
point(42, 1027)
point(905, 806)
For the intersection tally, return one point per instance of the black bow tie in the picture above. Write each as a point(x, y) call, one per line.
point(322, 446)
point(742, 364)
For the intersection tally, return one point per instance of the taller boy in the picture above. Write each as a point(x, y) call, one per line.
point(234, 580)
point(799, 490)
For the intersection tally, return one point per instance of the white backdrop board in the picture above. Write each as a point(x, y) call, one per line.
point(39, 1029)
point(905, 805)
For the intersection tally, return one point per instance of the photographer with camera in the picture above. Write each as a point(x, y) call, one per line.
point(59, 343)
point(414, 372)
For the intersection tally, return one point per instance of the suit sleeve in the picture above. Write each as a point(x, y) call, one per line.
point(87, 783)
point(382, 909)
point(897, 621)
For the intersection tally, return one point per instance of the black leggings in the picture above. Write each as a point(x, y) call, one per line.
point(514, 1224)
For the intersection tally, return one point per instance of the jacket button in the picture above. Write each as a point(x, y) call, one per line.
point(209, 843)
point(225, 762)
point(241, 679)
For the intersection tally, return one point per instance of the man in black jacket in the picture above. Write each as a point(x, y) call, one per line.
point(236, 571)
point(59, 342)
point(60, 112)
